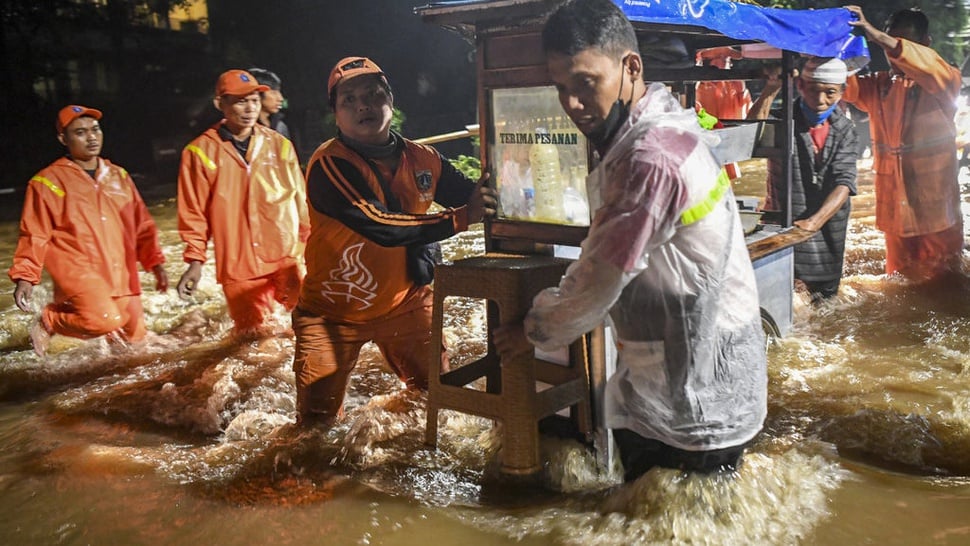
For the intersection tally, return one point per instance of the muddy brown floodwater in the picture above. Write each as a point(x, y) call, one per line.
point(189, 439)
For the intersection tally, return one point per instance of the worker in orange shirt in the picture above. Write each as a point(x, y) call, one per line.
point(370, 256)
point(85, 222)
point(911, 111)
point(240, 184)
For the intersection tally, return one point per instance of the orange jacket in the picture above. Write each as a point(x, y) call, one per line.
point(255, 211)
point(356, 264)
point(913, 140)
point(724, 99)
point(73, 223)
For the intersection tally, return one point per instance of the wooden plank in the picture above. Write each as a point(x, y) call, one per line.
point(769, 245)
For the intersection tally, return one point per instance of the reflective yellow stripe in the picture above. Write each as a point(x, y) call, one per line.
point(705, 207)
point(57, 191)
point(287, 148)
point(209, 164)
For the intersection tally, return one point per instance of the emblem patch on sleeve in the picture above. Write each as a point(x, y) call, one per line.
point(423, 180)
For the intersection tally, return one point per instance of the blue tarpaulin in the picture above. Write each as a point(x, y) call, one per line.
point(822, 32)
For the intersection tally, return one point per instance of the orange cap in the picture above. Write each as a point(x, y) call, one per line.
point(238, 83)
point(351, 67)
point(71, 112)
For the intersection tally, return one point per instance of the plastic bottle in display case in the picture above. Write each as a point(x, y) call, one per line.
point(546, 179)
point(575, 204)
point(515, 183)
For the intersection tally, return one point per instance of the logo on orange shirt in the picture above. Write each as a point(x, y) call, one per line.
point(352, 281)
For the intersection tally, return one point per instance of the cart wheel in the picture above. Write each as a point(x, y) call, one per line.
point(772, 333)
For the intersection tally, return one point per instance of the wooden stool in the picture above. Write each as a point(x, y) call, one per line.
point(520, 392)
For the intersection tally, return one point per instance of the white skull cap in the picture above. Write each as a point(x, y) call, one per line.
point(825, 70)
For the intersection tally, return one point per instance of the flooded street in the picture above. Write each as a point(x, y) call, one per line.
point(189, 438)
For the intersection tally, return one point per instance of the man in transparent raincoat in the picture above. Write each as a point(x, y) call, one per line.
point(665, 258)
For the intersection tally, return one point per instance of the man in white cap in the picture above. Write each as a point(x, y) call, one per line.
point(823, 176)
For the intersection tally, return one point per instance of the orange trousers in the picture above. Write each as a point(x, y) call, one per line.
point(93, 314)
point(327, 352)
point(923, 257)
point(249, 302)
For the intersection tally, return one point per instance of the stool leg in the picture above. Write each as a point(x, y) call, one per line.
point(493, 379)
point(583, 416)
point(434, 369)
point(431, 427)
point(520, 428)
point(582, 411)
point(520, 447)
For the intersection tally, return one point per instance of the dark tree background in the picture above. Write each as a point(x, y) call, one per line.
point(155, 84)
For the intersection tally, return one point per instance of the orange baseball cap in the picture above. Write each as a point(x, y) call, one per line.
point(71, 112)
point(351, 67)
point(238, 83)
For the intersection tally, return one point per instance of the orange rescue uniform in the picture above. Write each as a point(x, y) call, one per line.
point(255, 212)
point(358, 287)
point(90, 234)
point(725, 99)
point(728, 99)
point(914, 157)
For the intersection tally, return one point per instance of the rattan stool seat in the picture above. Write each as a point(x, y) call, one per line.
point(517, 393)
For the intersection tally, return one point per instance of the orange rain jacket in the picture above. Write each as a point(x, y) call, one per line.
point(255, 213)
point(75, 225)
point(913, 135)
point(724, 99)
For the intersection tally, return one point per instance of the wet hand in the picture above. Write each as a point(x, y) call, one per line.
point(21, 295)
point(510, 341)
point(161, 278)
point(772, 76)
point(483, 201)
point(861, 22)
point(808, 224)
point(190, 280)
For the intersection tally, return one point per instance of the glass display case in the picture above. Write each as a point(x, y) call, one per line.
point(538, 157)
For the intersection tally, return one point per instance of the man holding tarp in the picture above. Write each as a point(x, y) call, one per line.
point(911, 110)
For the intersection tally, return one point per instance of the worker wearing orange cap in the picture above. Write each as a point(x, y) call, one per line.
point(85, 222)
point(370, 253)
point(240, 185)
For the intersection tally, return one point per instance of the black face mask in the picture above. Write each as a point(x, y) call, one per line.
point(602, 135)
point(619, 112)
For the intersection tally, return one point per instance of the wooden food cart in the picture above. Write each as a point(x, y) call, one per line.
point(520, 117)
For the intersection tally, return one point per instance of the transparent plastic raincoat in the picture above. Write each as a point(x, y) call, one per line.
point(665, 257)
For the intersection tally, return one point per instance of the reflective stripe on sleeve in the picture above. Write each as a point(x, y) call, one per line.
point(53, 187)
point(287, 150)
point(702, 209)
point(209, 164)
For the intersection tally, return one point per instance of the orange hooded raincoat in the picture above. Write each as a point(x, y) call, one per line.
point(90, 234)
point(254, 211)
